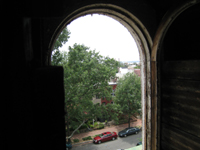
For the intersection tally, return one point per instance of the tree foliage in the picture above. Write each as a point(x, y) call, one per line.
point(128, 95)
point(57, 56)
point(62, 39)
point(86, 74)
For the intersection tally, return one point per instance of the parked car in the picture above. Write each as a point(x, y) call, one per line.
point(139, 143)
point(128, 131)
point(106, 136)
point(68, 146)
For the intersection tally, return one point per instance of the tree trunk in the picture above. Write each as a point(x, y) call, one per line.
point(129, 114)
point(69, 136)
point(68, 131)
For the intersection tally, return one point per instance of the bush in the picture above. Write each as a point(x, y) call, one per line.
point(87, 138)
point(76, 140)
point(99, 126)
point(91, 126)
point(97, 135)
point(95, 124)
point(139, 127)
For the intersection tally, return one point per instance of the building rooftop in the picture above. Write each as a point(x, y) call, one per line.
point(137, 72)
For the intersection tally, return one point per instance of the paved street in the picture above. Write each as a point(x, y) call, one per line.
point(120, 143)
point(113, 128)
point(127, 142)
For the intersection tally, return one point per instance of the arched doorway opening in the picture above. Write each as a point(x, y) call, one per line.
point(174, 44)
point(144, 43)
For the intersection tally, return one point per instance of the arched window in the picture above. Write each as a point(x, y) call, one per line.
point(143, 41)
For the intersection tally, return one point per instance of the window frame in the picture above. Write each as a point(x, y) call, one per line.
point(143, 41)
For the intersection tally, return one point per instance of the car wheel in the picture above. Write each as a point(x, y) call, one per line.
point(136, 132)
point(113, 138)
point(99, 142)
point(125, 135)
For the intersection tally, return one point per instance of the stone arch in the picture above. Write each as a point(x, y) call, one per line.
point(169, 18)
point(165, 24)
point(143, 41)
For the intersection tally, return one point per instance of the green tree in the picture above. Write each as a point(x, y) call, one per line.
point(111, 111)
point(137, 66)
point(86, 73)
point(128, 95)
point(57, 56)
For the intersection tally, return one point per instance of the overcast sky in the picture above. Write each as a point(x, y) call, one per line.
point(105, 35)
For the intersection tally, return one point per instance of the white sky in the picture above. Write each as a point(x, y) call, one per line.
point(105, 35)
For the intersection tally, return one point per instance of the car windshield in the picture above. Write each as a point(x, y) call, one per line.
point(124, 130)
point(101, 135)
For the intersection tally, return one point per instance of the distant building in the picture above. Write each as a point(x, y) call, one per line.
point(96, 99)
point(123, 71)
point(113, 83)
point(137, 72)
point(105, 101)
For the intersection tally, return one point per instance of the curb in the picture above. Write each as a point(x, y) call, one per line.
point(82, 143)
point(91, 141)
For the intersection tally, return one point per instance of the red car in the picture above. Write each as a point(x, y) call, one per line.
point(106, 136)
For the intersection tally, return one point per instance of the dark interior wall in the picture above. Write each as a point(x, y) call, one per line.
point(139, 8)
point(180, 83)
point(32, 95)
point(33, 109)
point(186, 31)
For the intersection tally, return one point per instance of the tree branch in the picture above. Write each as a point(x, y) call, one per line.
point(88, 127)
point(76, 130)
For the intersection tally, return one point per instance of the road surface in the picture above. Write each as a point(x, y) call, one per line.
point(119, 143)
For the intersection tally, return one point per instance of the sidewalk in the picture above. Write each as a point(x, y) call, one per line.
point(113, 128)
